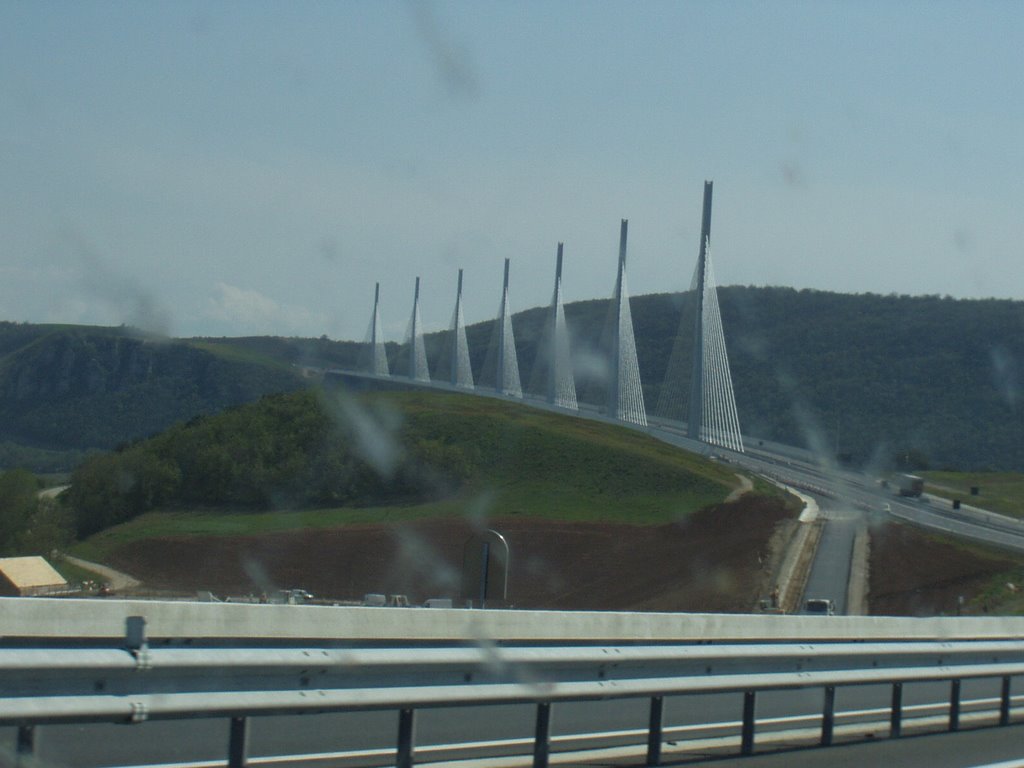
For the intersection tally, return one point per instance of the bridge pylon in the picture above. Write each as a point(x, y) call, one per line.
point(417, 362)
point(461, 370)
point(711, 406)
point(625, 395)
point(695, 420)
point(375, 358)
point(507, 371)
point(561, 385)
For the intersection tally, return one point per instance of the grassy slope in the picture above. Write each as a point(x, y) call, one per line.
point(1000, 491)
point(519, 461)
point(235, 353)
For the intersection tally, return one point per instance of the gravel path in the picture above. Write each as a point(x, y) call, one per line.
point(746, 485)
point(118, 581)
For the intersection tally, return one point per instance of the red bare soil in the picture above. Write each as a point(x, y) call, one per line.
point(916, 574)
point(707, 562)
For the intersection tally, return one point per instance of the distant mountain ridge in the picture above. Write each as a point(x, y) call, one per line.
point(893, 379)
point(68, 389)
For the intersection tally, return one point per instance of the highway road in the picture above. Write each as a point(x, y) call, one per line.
point(865, 494)
point(987, 748)
point(830, 574)
point(696, 717)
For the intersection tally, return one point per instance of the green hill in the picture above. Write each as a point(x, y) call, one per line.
point(400, 451)
point(346, 496)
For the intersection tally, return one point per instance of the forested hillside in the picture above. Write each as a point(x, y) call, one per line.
point(905, 380)
point(898, 379)
point(880, 375)
point(317, 449)
point(66, 389)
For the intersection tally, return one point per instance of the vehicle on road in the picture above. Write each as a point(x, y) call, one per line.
point(292, 596)
point(819, 606)
point(909, 485)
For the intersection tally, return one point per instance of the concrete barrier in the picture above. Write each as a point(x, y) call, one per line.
point(105, 619)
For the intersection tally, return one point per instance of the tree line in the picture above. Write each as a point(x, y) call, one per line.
point(285, 451)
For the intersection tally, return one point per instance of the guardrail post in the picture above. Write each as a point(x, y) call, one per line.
point(828, 716)
point(238, 743)
point(135, 633)
point(406, 738)
point(747, 736)
point(896, 717)
point(542, 740)
point(26, 745)
point(1004, 702)
point(654, 730)
point(954, 705)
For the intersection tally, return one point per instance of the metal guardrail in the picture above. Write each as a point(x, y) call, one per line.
point(133, 681)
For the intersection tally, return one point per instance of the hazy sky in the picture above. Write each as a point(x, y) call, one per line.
point(231, 168)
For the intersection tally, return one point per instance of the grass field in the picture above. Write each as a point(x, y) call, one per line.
point(999, 491)
point(517, 462)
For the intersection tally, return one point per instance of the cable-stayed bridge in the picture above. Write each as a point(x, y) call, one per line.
point(696, 408)
point(483, 685)
point(697, 391)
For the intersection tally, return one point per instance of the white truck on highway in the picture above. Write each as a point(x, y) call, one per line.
point(819, 606)
point(909, 485)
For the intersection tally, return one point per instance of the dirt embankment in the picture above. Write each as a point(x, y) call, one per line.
point(715, 560)
point(913, 573)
